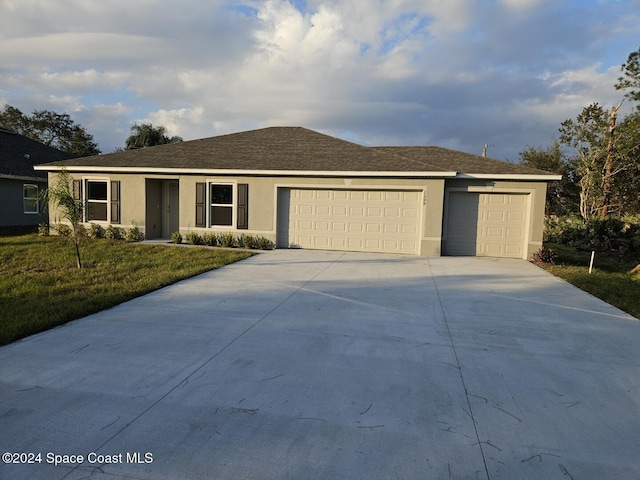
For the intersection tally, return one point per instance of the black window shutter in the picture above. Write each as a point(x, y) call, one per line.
point(115, 201)
point(77, 190)
point(201, 195)
point(243, 206)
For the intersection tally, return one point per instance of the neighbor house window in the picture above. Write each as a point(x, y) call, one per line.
point(30, 198)
point(221, 196)
point(97, 200)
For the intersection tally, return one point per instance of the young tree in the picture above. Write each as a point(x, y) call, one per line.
point(146, 135)
point(51, 128)
point(61, 200)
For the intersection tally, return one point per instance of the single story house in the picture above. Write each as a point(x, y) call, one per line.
point(304, 189)
point(20, 184)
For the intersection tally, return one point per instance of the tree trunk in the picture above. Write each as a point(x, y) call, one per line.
point(608, 163)
point(76, 243)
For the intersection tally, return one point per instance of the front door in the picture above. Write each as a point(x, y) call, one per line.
point(162, 209)
point(171, 208)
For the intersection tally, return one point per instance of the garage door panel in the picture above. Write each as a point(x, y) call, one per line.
point(338, 226)
point(486, 224)
point(377, 221)
point(339, 211)
point(515, 216)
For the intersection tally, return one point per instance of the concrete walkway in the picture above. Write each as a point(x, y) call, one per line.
point(330, 365)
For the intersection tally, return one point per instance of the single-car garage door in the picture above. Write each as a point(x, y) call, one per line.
point(486, 224)
point(355, 220)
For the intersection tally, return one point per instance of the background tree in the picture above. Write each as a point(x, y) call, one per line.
point(562, 195)
point(631, 79)
point(146, 135)
point(626, 192)
point(605, 161)
point(53, 129)
point(61, 200)
point(587, 136)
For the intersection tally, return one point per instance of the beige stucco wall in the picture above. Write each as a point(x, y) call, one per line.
point(132, 192)
point(263, 200)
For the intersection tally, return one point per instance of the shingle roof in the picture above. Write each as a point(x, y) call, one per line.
point(18, 155)
point(267, 149)
point(461, 162)
point(292, 149)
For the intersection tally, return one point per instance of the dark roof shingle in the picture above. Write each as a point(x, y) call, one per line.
point(18, 155)
point(295, 149)
point(267, 149)
point(461, 162)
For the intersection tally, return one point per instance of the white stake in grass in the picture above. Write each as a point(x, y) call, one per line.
point(593, 255)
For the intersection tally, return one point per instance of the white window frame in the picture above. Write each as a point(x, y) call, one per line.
point(30, 199)
point(86, 201)
point(233, 205)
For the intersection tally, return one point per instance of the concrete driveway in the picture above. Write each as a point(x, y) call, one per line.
point(330, 365)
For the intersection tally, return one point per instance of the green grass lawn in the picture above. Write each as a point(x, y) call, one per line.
point(612, 279)
point(40, 286)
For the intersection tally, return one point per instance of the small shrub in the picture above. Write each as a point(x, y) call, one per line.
point(96, 231)
point(567, 230)
point(63, 230)
point(43, 230)
point(111, 233)
point(248, 241)
point(133, 234)
point(195, 238)
point(264, 243)
point(227, 240)
point(176, 237)
point(545, 255)
point(212, 239)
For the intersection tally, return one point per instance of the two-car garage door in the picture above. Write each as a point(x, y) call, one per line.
point(356, 220)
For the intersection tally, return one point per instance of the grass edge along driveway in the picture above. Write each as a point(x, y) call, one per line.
point(40, 286)
point(613, 279)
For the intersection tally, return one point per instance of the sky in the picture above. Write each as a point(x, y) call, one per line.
point(459, 74)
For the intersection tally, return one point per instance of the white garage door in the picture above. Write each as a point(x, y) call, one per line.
point(486, 224)
point(355, 220)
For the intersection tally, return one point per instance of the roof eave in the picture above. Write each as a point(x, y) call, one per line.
point(206, 171)
point(23, 178)
point(511, 176)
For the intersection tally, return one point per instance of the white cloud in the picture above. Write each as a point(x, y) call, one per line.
point(521, 4)
point(459, 73)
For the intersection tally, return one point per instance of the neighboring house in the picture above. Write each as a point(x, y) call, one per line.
point(301, 188)
point(20, 185)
